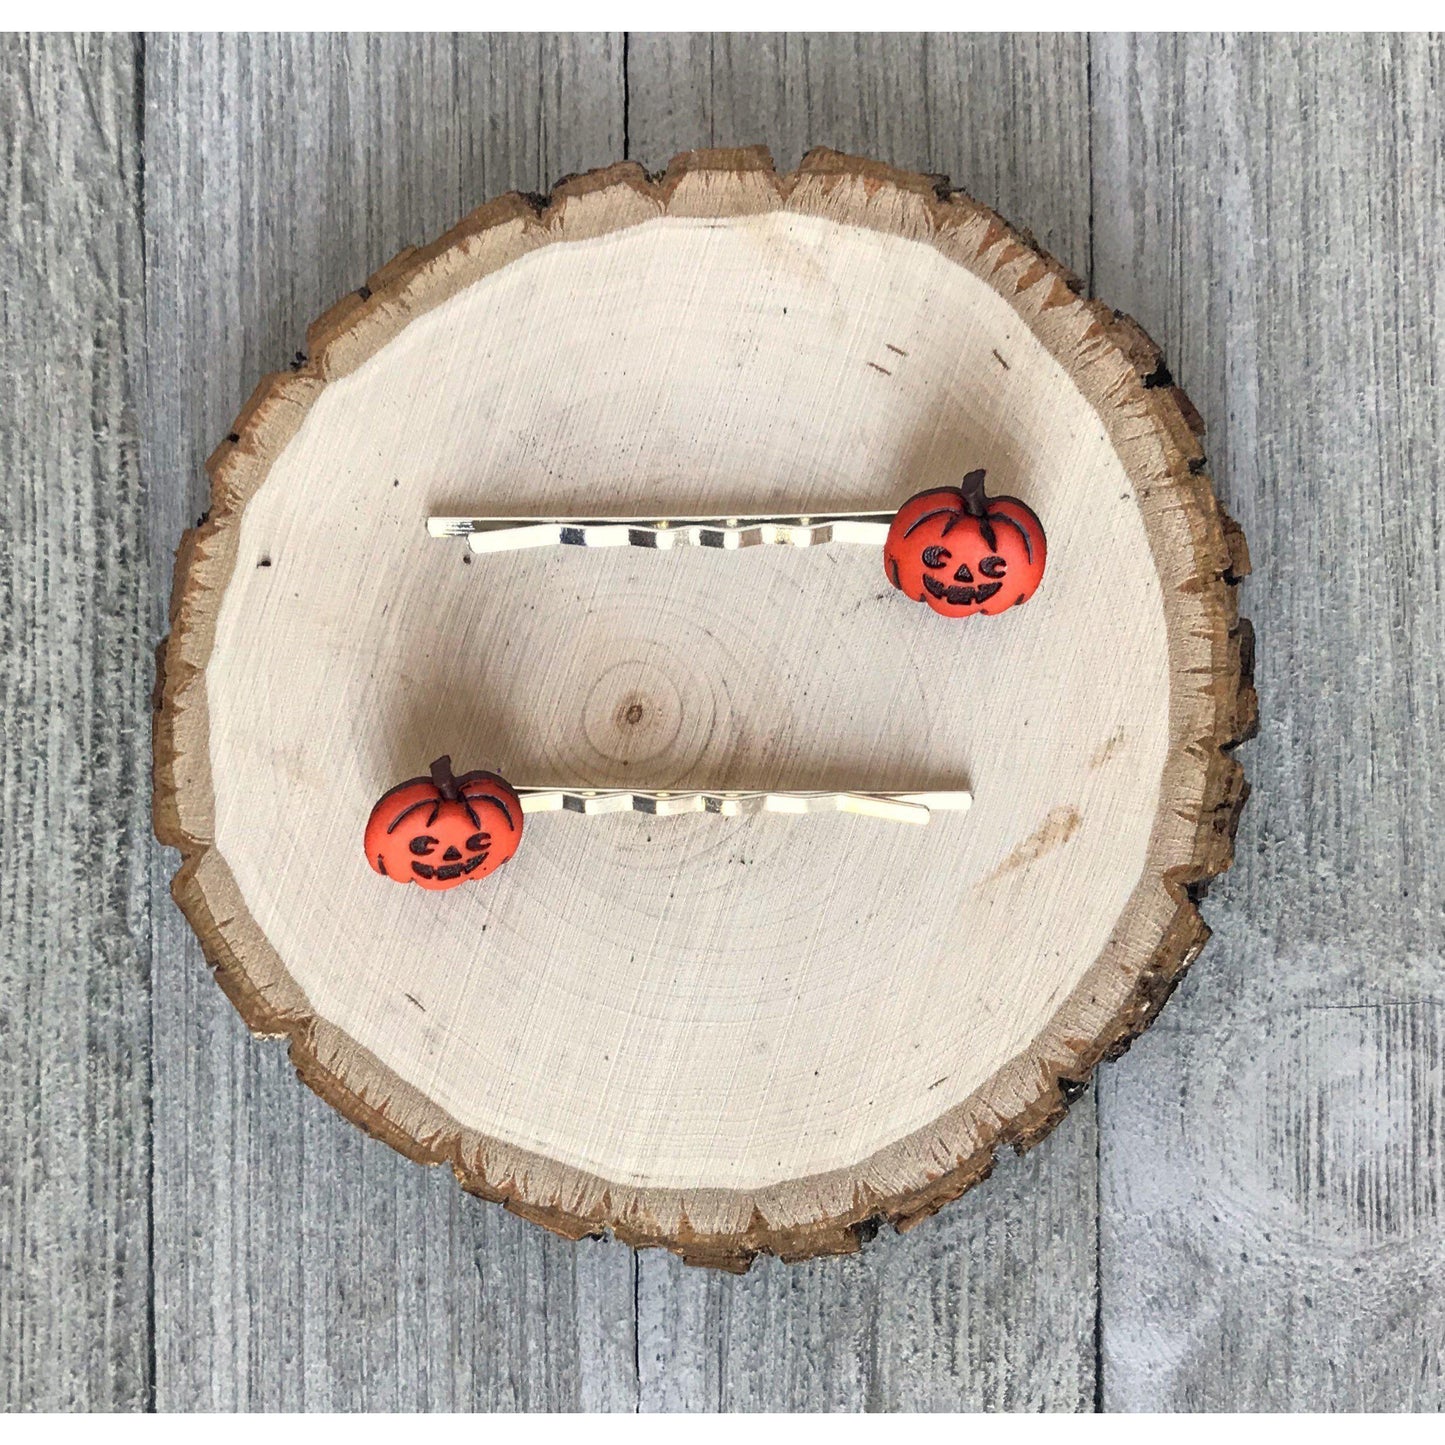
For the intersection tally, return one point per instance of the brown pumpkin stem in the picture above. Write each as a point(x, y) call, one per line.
point(975, 499)
point(441, 776)
point(975, 504)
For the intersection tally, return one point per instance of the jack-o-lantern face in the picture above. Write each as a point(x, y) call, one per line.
point(962, 551)
point(441, 831)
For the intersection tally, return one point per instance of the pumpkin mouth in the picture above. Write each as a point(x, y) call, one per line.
point(448, 870)
point(961, 596)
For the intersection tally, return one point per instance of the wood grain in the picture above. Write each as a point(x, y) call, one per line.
point(966, 1312)
point(1007, 119)
point(1274, 1178)
point(74, 685)
point(1271, 209)
point(300, 1265)
point(1024, 951)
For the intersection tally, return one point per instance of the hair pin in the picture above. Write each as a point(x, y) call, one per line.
point(444, 830)
point(956, 549)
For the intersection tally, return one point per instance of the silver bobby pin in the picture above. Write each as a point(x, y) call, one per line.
point(897, 807)
point(508, 534)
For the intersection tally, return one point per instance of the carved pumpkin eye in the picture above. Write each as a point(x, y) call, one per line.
point(993, 566)
point(477, 842)
point(422, 845)
point(936, 556)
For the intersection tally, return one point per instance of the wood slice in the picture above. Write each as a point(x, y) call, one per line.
point(724, 1036)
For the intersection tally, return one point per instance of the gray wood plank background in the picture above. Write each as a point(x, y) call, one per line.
point(75, 631)
point(1272, 1170)
point(299, 1265)
point(1249, 1211)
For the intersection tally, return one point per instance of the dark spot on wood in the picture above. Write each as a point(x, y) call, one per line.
point(364, 292)
point(883, 369)
point(1107, 749)
point(867, 1229)
point(1001, 361)
point(1056, 829)
point(634, 714)
point(896, 350)
point(1159, 377)
point(264, 562)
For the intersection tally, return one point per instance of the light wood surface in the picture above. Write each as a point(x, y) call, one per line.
point(622, 1031)
point(946, 1315)
point(1291, 1264)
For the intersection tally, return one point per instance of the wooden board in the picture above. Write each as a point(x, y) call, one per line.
point(300, 1265)
point(733, 1085)
point(1273, 1176)
point(397, 1291)
point(75, 679)
point(992, 1304)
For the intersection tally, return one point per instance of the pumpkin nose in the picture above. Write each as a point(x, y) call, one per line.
point(452, 853)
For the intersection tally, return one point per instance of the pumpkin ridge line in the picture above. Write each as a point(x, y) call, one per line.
point(928, 517)
point(1019, 528)
point(469, 798)
point(406, 812)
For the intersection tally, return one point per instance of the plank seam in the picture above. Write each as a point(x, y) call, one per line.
point(150, 1385)
point(1098, 1341)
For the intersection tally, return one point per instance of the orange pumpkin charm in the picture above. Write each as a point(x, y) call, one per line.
point(442, 830)
point(962, 551)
